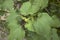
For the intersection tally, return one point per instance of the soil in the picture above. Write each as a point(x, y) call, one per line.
point(3, 33)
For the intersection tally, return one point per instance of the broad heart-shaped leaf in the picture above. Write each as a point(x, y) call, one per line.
point(54, 35)
point(42, 25)
point(17, 34)
point(25, 7)
point(37, 5)
point(44, 17)
point(33, 7)
point(56, 22)
point(11, 19)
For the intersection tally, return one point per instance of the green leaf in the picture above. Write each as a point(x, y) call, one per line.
point(29, 26)
point(34, 36)
point(37, 5)
point(25, 7)
point(42, 26)
point(56, 22)
point(11, 19)
point(8, 4)
point(33, 7)
point(17, 34)
point(44, 17)
point(54, 34)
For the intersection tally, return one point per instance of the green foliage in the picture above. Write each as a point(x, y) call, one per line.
point(8, 4)
point(34, 36)
point(34, 23)
point(42, 26)
point(16, 32)
point(31, 8)
point(29, 26)
point(54, 34)
point(56, 21)
point(25, 7)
